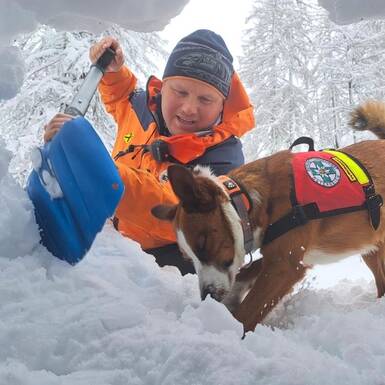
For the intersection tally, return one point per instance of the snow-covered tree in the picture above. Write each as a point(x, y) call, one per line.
point(56, 63)
point(350, 70)
point(305, 74)
point(277, 64)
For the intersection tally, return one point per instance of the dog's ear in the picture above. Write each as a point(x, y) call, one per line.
point(182, 182)
point(195, 194)
point(164, 212)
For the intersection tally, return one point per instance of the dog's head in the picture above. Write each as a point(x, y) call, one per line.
point(208, 229)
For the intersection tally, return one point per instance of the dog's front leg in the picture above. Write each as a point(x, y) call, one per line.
point(276, 279)
point(243, 283)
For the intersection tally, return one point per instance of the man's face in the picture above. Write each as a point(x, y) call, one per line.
point(189, 105)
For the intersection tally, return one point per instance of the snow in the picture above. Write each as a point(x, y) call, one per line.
point(92, 15)
point(21, 16)
point(17, 237)
point(351, 11)
point(117, 318)
point(55, 62)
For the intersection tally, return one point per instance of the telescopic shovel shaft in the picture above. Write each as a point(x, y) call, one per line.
point(81, 101)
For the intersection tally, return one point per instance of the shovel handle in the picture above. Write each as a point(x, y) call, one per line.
point(81, 101)
point(104, 60)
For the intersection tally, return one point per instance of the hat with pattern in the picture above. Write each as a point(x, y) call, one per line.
point(202, 55)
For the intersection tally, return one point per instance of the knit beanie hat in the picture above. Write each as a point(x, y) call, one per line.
point(202, 55)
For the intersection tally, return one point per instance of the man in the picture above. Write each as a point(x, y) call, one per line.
point(193, 116)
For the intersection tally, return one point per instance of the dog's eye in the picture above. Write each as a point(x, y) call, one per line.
point(200, 248)
point(227, 264)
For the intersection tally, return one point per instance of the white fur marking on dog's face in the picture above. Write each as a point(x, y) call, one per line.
point(204, 171)
point(186, 249)
point(212, 281)
point(236, 228)
point(321, 257)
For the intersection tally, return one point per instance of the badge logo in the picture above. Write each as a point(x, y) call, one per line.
point(323, 172)
point(127, 138)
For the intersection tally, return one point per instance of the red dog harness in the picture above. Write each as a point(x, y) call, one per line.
point(321, 178)
point(327, 183)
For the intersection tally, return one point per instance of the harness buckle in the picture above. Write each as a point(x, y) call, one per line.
point(299, 216)
point(374, 201)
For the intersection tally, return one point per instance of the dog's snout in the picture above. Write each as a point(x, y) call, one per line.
point(214, 293)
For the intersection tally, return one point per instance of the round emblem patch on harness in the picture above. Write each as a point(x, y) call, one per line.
point(323, 172)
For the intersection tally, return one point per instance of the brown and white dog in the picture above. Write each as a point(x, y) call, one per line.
point(209, 228)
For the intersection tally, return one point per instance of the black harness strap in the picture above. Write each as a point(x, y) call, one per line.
point(242, 204)
point(373, 204)
point(300, 215)
point(240, 207)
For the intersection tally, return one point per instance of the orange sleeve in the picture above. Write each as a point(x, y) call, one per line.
point(143, 191)
point(116, 87)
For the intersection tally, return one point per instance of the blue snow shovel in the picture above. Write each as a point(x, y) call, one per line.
point(75, 185)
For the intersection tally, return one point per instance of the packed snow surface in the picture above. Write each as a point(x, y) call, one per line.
point(117, 318)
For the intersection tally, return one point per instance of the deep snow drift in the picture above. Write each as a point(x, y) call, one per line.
point(117, 318)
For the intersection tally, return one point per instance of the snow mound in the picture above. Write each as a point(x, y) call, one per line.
point(18, 230)
point(117, 318)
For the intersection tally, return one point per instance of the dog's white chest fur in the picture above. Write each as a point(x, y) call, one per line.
point(321, 257)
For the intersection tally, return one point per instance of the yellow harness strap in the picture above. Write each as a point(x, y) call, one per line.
point(353, 170)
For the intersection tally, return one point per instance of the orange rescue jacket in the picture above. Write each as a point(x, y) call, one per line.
point(140, 172)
